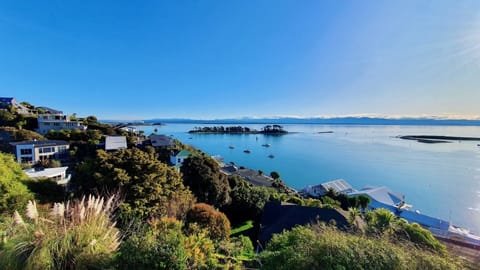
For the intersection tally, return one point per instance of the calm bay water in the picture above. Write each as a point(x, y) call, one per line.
point(441, 180)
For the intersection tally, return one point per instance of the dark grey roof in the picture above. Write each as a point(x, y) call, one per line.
point(6, 99)
point(50, 110)
point(161, 141)
point(41, 143)
point(278, 217)
point(229, 168)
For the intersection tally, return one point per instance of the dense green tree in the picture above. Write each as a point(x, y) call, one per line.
point(150, 188)
point(208, 218)
point(247, 202)
point(13, 192)
point(275, 175)
point(46, 190)
point(202, 175)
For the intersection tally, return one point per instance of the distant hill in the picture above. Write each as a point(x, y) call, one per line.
point(326, 121)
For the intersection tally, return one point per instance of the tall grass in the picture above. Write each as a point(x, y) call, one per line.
point(78, 235)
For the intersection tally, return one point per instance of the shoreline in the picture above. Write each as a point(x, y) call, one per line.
point(437, 138)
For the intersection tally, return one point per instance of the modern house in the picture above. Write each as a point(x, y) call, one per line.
point(161, 141)
point(339, 186)
point(284, 216)
point(34, 151)
point(382, 197)
point(177, 159)
point(57, 121)
point(58, 175)
point(9, 102)
point(113, 143)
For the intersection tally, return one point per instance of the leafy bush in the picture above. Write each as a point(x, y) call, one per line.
point(162, 245)
point(215, 222)
point(13, 193)
point(323, 247)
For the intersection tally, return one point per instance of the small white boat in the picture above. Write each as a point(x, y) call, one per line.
point(266, 145)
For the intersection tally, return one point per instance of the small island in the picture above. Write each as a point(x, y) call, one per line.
point(266, 130)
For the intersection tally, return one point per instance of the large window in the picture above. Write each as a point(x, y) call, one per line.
point(25, 151)
point(26, 159)
point(46, 150)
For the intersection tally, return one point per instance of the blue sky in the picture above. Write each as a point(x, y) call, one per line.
point(218, 59)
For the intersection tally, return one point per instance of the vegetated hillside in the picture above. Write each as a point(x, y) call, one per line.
point(166, 219)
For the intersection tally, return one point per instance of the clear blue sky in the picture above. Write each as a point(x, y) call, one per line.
point(217, 59)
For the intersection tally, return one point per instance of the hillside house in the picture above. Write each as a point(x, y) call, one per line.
point(57, 121)
point(34, 151)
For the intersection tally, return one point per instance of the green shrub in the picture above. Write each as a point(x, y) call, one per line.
point(323, 247)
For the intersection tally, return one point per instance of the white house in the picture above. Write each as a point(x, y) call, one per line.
point(57, 121)
point(115, 143)
point(382, 197)
point(34, 151)
point(58, 175)
point(339, 186)
point(177, 159)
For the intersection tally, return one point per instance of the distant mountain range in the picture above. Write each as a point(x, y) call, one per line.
point(325, 121)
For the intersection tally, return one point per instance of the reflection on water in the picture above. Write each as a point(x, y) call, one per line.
point(439, 179)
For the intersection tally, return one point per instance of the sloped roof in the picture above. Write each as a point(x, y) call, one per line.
point(46, 172)
point(6, 99)
point(424, 220)
point(278, 217)
point(338, 185)
point(381, 194)
point(161, 141)
point(183, 154)
point(41, 143)
point(115, 142)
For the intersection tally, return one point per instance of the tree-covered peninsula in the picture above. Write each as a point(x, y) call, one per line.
point(266, 130)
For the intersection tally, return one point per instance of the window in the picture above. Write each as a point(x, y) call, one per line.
point(46, 124)
point(26, 159)
point(25, 151)
point(46, 150)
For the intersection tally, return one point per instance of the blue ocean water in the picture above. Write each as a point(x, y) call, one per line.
point(441, 180)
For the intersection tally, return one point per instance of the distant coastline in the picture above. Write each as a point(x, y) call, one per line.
point(323, 121)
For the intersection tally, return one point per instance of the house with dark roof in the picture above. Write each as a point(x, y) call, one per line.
point(284, 216)
point(161, 141)
point(34, 151)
